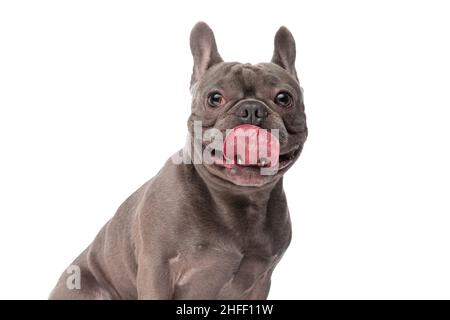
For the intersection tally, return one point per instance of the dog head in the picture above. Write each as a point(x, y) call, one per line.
point(251, 97)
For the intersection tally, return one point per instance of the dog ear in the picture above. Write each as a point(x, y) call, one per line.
point(284, 51)
point(204, 50)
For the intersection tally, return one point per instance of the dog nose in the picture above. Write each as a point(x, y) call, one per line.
point(252, 112)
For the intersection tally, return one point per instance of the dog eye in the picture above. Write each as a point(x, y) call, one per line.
point(283, 99)
point(215, 99)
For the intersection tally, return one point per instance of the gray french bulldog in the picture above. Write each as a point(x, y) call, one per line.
point(203, 231)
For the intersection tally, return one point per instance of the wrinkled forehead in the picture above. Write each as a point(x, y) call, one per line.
point(247, 78)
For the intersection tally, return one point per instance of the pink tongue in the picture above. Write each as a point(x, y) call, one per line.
point(251, 145)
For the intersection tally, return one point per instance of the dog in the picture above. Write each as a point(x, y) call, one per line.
point(211, 230)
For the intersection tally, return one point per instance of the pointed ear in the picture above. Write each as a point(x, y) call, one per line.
point(204, 50)
point(284, 51)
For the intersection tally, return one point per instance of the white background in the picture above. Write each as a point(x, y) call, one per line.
point(94, 98)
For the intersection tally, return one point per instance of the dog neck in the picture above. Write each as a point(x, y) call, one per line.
point(239, 204)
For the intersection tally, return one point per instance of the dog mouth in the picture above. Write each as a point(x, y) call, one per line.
point(287, 158)
point(248, 148)
point(284, 160)
point(249, 156)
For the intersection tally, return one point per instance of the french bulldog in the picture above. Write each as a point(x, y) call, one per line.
point(207, 230)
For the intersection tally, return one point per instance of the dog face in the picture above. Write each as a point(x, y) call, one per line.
point(227, 95)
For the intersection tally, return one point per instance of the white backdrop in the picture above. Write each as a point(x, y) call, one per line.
point(81, 82)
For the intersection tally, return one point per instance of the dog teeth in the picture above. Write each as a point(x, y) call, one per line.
point(263, 162)
point(239, 160)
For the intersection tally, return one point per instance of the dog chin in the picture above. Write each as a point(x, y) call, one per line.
point(242, 176)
